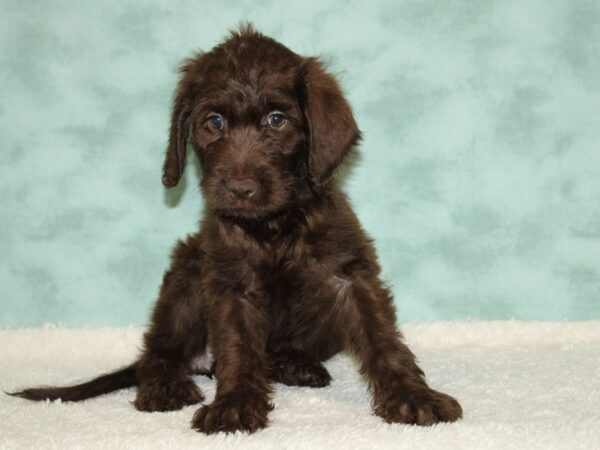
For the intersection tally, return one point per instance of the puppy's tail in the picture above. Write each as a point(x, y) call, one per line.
point(120, 379)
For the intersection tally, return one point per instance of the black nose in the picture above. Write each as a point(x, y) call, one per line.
point(244, 188)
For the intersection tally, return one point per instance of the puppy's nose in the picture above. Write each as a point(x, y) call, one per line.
point(244, 188)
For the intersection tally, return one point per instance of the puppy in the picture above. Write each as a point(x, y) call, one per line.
point(280, 276)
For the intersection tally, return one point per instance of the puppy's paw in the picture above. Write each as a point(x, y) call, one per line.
point(419, 407)
point(231, 413)
point(297, 368)
point(168, 395)
point(305, 373)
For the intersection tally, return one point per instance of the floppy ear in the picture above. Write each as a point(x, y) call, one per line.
point(180, 125)
point(331, 128)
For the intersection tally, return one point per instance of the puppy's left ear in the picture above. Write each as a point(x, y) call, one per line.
point(176, 154)
point(331, 128)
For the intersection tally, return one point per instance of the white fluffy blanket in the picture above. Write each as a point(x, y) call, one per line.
point(522, 385)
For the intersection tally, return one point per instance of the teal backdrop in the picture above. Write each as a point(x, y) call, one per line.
point(479, 175)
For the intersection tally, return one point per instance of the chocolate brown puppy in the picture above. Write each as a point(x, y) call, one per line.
point(280, 276)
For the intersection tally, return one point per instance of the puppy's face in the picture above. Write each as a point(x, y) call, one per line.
point(249, 132)
point(264, 122)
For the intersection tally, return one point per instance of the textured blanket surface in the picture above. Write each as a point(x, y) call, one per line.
point(522, 385)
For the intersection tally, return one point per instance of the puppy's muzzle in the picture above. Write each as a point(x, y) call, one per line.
point(242, 188)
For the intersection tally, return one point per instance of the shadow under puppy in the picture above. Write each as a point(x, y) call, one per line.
point(281, 275)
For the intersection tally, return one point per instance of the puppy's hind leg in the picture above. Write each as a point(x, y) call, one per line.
point(176, 336)
point(296, 368)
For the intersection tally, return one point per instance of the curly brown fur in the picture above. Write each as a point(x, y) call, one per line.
point(281, 275)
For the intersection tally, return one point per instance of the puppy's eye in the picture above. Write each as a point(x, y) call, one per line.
point(276, 119)
point(216, 122)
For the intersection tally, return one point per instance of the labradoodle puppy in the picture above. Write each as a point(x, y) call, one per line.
point(280, 276)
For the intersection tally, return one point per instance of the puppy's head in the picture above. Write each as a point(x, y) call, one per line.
point(264, 122)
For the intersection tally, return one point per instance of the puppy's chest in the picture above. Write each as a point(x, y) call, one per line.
point(302, 273)
point(298, 268)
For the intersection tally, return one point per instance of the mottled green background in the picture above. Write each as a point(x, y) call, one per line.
point(479, 176)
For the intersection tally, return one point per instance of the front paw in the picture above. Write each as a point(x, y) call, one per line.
point(167, 395)
point(419, 407)
point(231, 413)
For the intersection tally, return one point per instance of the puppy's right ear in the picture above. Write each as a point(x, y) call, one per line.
point(180, 127)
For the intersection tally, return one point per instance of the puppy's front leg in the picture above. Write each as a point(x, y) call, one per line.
point(238, 332)
point(400, 393)
point(176, 335)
